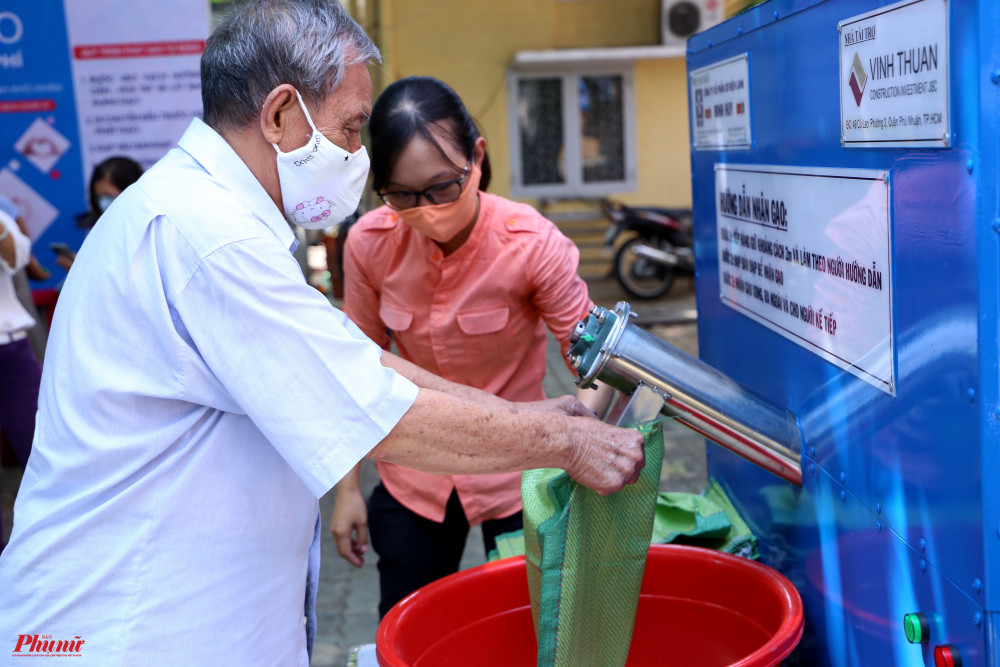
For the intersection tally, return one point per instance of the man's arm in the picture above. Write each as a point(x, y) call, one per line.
point(454, 429)
point(349, 521)
point(567, 405)
point(444, 434)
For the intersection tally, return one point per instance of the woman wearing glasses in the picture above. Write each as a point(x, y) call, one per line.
point(465, 283)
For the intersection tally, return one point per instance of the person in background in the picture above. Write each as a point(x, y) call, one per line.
point(465, 283)
point(37, 335)
point(108, 180)
point(20, 372)
point(199, 397)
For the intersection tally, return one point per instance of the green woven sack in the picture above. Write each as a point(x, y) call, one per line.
point(586, 555)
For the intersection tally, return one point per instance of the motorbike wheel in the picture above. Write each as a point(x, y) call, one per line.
point(640, 277)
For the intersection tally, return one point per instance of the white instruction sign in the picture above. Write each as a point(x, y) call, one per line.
point(894, 76)
point(137, 76)
point(720, 105)
point(806, 252)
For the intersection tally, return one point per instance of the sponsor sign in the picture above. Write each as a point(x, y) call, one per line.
point(894, 76)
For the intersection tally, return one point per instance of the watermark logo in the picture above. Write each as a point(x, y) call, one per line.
point(43, 645)
point(858, 79)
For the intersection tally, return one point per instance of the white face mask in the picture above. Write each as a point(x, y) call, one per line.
point(321, 183)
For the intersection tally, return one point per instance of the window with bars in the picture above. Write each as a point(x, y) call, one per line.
point(572, 133)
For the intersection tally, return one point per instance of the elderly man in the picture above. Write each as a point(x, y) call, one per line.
point(198, 397)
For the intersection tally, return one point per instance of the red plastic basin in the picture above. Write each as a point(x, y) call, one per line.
point(697, 608)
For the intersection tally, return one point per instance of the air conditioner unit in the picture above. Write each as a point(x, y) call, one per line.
point(679, 19)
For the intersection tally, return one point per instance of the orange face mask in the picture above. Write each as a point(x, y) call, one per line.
point(441, 222)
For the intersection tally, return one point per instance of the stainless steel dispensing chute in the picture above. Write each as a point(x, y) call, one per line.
point(607, 346)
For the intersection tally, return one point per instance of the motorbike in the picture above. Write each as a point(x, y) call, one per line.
point(662, 247)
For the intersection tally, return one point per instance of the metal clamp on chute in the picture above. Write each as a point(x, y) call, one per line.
point(606, 346)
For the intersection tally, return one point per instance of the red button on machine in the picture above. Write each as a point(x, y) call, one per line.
point(947, 655)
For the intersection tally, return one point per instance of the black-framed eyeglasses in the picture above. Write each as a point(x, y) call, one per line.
point(439, 193)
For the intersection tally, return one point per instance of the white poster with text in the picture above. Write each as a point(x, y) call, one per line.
point(137, 76)
point(807, 253)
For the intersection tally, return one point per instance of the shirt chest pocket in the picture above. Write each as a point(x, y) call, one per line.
point(483, 328)
point(395, 317)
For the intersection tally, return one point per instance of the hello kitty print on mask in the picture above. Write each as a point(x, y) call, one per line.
point(317, 210)
point(321, 183)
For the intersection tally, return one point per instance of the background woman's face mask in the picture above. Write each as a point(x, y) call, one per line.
point(442, 222)
point(321, 183)
point(103, 202)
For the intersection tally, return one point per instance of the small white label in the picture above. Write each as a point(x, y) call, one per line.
point(894, 76)
point(806, 252)
point(720, 105)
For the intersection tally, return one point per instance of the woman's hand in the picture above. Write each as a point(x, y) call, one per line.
point(65, 261)
point(349, 525)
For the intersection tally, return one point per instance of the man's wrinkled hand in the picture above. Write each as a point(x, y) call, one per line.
point(605, 458)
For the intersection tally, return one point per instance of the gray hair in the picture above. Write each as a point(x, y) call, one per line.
point(265, 43)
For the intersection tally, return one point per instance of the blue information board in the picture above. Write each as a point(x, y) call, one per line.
point(84, 81)
point(41, 166)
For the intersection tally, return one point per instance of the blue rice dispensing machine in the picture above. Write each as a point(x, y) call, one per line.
point(845, 161)
point(845, 171)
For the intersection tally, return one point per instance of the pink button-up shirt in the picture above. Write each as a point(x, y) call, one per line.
point(476, 317)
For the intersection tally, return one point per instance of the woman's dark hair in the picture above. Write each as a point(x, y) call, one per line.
point(121, 171)
point(411, 106)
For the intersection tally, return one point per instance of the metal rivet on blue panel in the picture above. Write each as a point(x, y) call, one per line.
point(923, 565)
point(922, 544)
point(969, 165)
point(995, 76)
point(843, 495)
point(878, 508)
point(843, 477)
point(971, 394)
point(996, 228)
point(977, 585)
point(977, 618)
point(878, 526)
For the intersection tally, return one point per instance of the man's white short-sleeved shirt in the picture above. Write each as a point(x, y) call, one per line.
point(197, 399)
